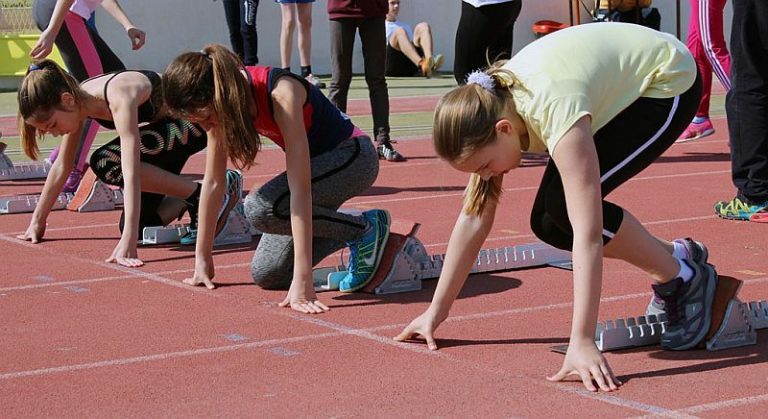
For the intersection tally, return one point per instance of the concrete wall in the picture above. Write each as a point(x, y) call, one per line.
point(175, 26)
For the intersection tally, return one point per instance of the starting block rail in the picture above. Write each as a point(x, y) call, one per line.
point(410, 263)
point(26, 203)
point(22, 171)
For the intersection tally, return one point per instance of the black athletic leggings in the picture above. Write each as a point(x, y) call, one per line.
point(167, 144)
point(629, 143)
point(483, 33)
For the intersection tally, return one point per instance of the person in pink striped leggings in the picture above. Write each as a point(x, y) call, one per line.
point(64, 23)
point(707, 44)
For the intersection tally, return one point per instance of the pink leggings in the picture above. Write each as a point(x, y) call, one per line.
point(707, 44)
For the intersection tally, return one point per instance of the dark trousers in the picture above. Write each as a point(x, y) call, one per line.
point(484, 33)
point(242, 36)
point(374, 39)
point(747, 101)
point(625, 146)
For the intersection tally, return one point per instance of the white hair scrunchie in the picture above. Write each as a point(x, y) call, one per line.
point(482, 79)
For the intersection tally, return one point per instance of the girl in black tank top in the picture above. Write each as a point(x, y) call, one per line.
point(145, 159)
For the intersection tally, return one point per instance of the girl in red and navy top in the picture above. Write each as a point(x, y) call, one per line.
point(328, 161)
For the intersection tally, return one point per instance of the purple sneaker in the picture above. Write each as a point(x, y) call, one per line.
point(73, 180)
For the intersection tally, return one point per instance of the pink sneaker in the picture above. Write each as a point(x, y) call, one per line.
point(696, 131)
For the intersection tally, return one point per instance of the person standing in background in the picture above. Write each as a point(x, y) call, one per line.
point(301, 11)
point(747, 110)
point(485, 32)
point(347, 17)
point(241, 22)
point(707, 44)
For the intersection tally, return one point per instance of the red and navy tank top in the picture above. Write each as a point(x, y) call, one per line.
point(325, 124)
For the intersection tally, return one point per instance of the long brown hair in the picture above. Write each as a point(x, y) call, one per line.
point(211, 79)
point(465, 120)
point(39, 96)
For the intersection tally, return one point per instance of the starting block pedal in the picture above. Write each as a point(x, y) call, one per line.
point(237, 230)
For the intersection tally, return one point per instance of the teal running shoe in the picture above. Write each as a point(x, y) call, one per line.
point(366, 252)
point(739, 209)
point(232, 197)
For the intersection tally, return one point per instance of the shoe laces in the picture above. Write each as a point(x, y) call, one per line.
point(736, 206)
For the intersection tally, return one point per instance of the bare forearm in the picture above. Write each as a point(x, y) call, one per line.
point(54, 183)
point(587, 282)
point(467, 238)
point(113, 8)
point(60, 11)
point(301, 226)
point(211, 196)
point(131, 204)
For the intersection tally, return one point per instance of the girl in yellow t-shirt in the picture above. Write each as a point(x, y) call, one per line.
point(605, 101)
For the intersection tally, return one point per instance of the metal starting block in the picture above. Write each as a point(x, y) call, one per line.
point(734, 324)
point(100, 198)
point(409, 262)
point(237, 230)
point(737, 329)
point(27, 203)
point(21, 171)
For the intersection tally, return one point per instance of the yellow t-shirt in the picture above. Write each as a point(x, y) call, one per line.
point(596, 69)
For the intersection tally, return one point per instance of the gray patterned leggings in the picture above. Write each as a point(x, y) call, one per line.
point(337, 175)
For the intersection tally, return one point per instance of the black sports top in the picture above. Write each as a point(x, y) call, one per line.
point(147, 110)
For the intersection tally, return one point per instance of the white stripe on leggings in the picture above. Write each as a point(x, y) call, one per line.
point(640, 149)
point(706, 39)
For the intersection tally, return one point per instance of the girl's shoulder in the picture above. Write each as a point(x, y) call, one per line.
point(138, 81)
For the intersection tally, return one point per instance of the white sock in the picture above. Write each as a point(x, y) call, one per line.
point(686, 272)
point(680, 251)
point(699, 119)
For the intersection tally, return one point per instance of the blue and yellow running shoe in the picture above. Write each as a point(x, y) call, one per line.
point(366, 252)
point(739, 209)
point(232, 197)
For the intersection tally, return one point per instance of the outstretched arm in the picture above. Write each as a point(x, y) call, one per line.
point(467, 238)
point(125, 93)
point(137, 36)
point(44, 44)
point(211, 196)
point(576, 159)
point(288, 98)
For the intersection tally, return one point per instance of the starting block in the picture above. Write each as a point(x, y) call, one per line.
point(237, 230)
point(99, 197)
point(26, 203)
point(410, 263)
point(734, 324)
point(21, 171)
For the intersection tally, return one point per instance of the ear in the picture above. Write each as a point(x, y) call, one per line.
point(504, 126)
point(68, 101)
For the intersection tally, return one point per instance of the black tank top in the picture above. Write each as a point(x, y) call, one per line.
point(149, 109)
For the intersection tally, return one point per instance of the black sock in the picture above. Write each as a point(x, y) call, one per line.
point(194, 199)
point(288, 69)
point(306, 70)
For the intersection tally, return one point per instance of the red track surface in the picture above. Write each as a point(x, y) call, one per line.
point(84, 338)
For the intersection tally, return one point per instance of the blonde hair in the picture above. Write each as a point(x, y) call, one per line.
point(39, 96)
point(211, 78)
point(465, 121)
